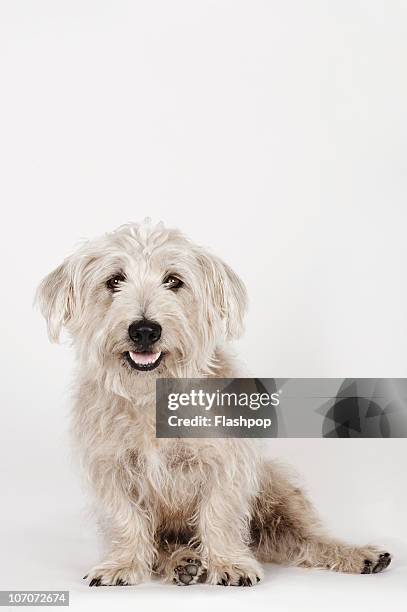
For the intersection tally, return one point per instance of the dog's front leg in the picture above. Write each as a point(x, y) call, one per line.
point(223, 527)
point(132, 553)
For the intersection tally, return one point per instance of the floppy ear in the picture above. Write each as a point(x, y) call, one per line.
point(55, 297)
point(227, 292)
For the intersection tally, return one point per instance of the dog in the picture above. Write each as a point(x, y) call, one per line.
point(145, 302)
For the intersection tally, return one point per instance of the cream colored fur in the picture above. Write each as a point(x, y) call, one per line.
point(213, 506)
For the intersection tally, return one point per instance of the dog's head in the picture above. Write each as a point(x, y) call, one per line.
point(143, 301)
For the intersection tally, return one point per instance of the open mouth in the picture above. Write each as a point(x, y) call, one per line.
point(144, 361)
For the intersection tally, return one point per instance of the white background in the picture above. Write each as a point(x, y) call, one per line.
point(273, 132)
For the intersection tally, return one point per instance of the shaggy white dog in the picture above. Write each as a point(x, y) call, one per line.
point(144, 302)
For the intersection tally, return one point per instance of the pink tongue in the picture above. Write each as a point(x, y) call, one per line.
point(144, 358)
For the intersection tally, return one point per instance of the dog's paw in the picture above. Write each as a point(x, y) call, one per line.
point(184, 567)
point(236, 574)
point(114, 575)
point(359, 560)
point(189, 571)
point(376, 563)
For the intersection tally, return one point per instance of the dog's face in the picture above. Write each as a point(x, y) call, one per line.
point(143, 301)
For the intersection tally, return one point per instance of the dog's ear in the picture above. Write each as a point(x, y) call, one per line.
point(227, 292)
point(55, 297)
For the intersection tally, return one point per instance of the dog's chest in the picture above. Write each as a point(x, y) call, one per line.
point(169, 469)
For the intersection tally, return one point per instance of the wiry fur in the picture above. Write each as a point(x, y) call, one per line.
point(211, 507)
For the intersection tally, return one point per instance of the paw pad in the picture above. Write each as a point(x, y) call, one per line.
point(188, 572)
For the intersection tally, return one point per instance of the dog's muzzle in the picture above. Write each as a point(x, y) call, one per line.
point(144, 334)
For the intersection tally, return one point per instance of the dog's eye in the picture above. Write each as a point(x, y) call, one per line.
point(113, 284)
point(172, 282)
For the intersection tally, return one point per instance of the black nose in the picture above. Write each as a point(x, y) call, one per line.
point(145, 333)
